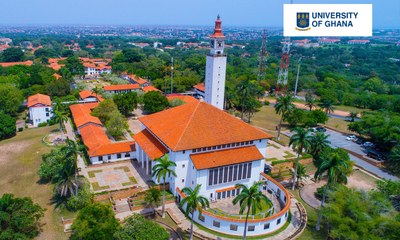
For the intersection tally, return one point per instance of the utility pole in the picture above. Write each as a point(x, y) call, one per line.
point(262, 58)
point(297, 78)
point(172, 74)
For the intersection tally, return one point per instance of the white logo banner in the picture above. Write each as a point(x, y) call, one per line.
point(326, 20)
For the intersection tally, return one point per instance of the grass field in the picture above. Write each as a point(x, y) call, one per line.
point(19, 161)
point(338, 124)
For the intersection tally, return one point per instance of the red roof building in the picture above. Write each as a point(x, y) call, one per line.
point(9, 64)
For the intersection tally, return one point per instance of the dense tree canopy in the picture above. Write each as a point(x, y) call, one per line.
point(95, 222)
point(137, 227)
point(13, 55)
point(19, 218)
point(10, 99)
point(7, 126)
point(126, 102)
point(154, 101)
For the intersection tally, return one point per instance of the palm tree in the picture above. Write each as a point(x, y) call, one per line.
point(300, 141)
point(352, 116)
point(246, 89)
point(194, 202)
point(153, 198)
point(284, 104)
point(67, 180)
point(70, 149)
point(327, 106)
point(60, 115)
point(319, 141)
point(97, 90)
point(301, 174)
point(250, 198)
point(338, 166)
point(162, 170)
point(310, 101)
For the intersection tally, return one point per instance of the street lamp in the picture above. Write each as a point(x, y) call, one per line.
point(297, 78)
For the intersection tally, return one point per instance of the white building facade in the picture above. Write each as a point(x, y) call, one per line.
point(216, 68)
point(40, 109)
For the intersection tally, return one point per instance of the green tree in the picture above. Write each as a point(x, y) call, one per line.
point(60, 116)
point(59, 88)
point(67, 180)
point(355, 214)
point(117, 124)
point(300, 141)
point(137, 227)
point(161, 170)
point(338, 166)
point(250, 198)
point(194, 202)
point(247, 91)
point(352, 116)
point(10, 99)
point(391, 190)
point(126, 102)
point(7, 126)
point(105, 110)
point(94, 222)
point(19, 217)
point(75, 66)
point(153, 198)
point(83, 199)
point(301, 174)
point(394, 159)
point(310, 101)
point(327, 106)
point(154, 101)
point(13, 55)
point(284, 105)
point(318, 142)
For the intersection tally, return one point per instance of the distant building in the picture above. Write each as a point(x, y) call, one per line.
point(150, 88)
point(40, 109)
point(9, 64)
point(199, 90)
point(358, 41)
point(132, 78)
point(4, 47)
point(328, 40)
point(122, 88)
point(89, 96)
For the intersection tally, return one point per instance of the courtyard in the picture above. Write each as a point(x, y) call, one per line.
point(114, 176)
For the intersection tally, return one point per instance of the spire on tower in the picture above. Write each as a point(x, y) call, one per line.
point(218, 29)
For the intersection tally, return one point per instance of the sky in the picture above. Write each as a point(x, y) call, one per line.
point(259, 13)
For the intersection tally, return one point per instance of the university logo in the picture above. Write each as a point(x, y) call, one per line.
point(303, 21)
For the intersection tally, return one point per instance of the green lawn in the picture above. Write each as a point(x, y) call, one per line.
point(350, 108)
point(338, 124)
point(19, 162)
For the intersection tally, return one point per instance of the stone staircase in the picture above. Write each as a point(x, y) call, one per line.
point(121, 206)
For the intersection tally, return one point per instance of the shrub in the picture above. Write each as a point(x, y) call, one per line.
point(43, 124)
point(20, 129)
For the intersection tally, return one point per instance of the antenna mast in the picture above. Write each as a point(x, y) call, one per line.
point(263, 54)
point(172, 74)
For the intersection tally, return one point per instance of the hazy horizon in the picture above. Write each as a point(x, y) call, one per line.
point(254, 13)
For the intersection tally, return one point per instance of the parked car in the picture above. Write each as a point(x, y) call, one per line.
point(320, 129)
point(360, 141)
point(351, 138)
point(369, 145)
point(375, 154)
point(267, 169)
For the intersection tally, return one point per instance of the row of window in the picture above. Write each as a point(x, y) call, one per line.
point(223, 146)
point(119, 155)
point(229, 173)
point(234, 227)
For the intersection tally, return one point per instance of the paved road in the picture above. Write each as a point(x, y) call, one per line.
point(338, 140)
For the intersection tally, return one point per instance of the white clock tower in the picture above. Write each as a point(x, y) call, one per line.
point(216, 68)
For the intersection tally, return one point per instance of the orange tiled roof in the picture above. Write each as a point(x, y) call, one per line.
point(185, 98)
point(9, 64)
point(198, 124)
point(225, 157)
point(94, 137)
point(113, 148)
point(150, 88)
point(57, 76)
point(150, 145)
point(81, 114)
point(200, 87)
point(121, 87)
point(87, 93)
point(39, 99)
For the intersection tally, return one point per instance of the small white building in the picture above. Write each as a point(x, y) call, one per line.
point(199, 89)
point(40, 109)
point(89, 96)
point(122, 88)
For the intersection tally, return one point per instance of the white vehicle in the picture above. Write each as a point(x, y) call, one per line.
point(351, 138)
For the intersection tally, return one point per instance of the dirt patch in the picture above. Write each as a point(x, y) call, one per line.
point(361, 180)
point(10, 149)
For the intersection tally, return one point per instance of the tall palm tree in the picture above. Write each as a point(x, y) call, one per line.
point(284, 104)
point(194, 202)
point(352, 116)
point(70, 149)
point(250, 198)
point(338, 166)
point(153, 198)
point(300, 141)
point(327, 106)
point(60, 115)
point(163, 169)
point(319, 141)
point(301, 173)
